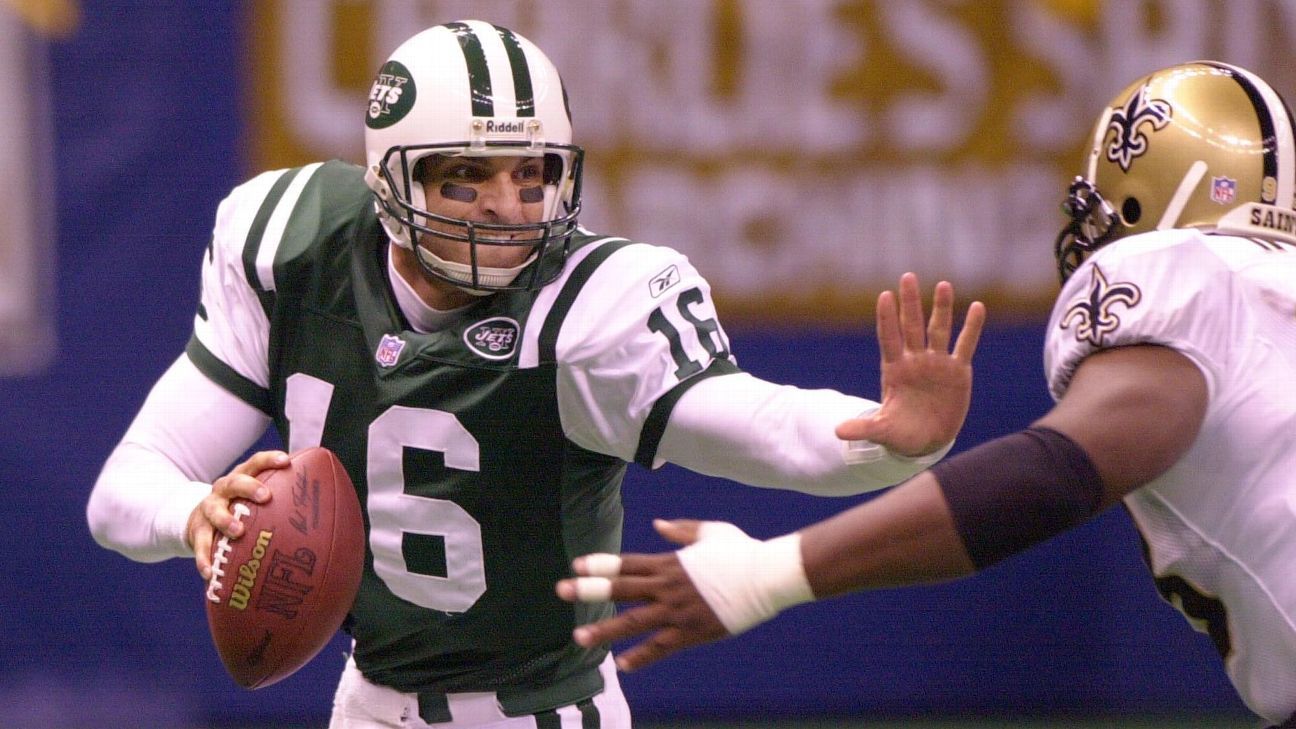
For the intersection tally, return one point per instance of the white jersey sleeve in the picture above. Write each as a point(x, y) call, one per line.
point(777, 436)
point(231, 323)
point(646, 374)
point(190, 428)
point(642, 323)
point(186, 434)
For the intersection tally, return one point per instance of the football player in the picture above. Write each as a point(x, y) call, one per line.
point(1169, 352)
point(485, 368)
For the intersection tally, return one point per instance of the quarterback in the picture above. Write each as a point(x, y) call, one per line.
point(485, 368)
point(1170, 352)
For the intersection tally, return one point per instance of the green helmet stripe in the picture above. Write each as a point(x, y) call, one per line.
point(522, 90)
point(479, 80)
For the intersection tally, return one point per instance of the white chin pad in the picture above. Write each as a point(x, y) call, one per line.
point(462, 273)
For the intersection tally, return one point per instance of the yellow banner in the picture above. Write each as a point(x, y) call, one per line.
point(803, 153)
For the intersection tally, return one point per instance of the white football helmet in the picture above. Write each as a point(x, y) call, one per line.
point(1198, 145)
point(470, 88)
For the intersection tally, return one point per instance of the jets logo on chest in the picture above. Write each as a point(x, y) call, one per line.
point(494, 338)
point(1092, 316)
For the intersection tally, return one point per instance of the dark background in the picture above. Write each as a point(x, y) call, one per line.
point(148, 140)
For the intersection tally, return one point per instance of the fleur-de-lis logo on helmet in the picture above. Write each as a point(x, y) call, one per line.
point(1129, 140)
point(1092, 315)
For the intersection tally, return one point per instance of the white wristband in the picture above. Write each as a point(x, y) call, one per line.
point(745, 581)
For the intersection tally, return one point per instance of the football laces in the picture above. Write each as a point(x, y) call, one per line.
point(221, 557)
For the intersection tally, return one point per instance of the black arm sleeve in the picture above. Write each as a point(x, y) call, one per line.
point(1016, 491)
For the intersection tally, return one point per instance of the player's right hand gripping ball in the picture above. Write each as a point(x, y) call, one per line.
point(280, 591)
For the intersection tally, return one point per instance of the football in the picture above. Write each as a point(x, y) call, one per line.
point(280, 591)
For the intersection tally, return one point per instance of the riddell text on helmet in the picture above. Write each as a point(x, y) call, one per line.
point(504, 127)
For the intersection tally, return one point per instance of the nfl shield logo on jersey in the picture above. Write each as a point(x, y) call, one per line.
point(1223, 190)
point(389, 350)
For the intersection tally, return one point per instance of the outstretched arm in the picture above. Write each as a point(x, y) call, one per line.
point(724, 582)
point(763, 434)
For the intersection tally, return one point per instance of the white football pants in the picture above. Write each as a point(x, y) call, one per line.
point(360, 704)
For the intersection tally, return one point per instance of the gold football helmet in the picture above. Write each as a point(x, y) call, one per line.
point(1199, 145)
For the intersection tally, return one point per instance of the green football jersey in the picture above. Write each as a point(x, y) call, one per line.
point(487, 454)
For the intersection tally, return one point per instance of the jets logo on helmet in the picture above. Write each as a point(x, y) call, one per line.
point(1129, 140)
point(391, 96)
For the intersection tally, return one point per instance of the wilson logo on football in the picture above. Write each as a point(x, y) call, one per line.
point(247, 573)
point(494, 338)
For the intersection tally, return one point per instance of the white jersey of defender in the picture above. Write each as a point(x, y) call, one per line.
point(1220, 525)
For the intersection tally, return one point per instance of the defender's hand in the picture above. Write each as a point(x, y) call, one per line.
point(721, 583)
point(673, 610)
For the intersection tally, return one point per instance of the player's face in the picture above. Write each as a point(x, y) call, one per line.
point(502, 190)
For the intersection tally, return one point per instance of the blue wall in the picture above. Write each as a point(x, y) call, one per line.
point(148, 141)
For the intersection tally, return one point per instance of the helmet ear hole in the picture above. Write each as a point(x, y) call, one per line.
point(1131, 210)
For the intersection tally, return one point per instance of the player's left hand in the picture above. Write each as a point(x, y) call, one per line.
point(672, 609)
point(926, 388)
